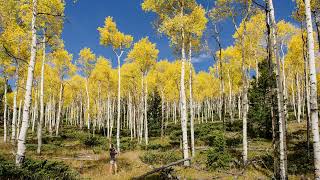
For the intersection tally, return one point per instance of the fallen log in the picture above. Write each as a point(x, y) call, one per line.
point(161, 168)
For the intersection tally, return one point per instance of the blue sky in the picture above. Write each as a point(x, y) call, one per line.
point(85, 16)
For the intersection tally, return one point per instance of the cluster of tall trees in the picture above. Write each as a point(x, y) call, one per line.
point(52, 90)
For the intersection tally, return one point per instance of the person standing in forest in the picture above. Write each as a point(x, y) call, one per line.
point(113, 163)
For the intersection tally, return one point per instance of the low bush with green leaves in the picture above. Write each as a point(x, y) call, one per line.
point(128, 144)
point(91, 141)
point(214, 139)
point(36, 169)
point(217, 158)
point(158, 157)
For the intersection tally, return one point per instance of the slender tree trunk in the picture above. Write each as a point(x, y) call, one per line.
point(239, 106)
point(130, 116)
point(313, 92)
point(285, 93)
point(280, 95)
point(145, 110)
point(162, 114)
point(118, 105)
point(88, 103)
point(244, 111)
point(306, 101)
point(299, 98)
point(191, 102)
point(81, 114)
point(27, 99)
point(294, 100)
point(230, 98)
point(19, 118)
point(50, 106)
point(39, 133)
point(59, 109)
point(183, 105)
point(5, 110)
point(14, 117)
point(35, 110)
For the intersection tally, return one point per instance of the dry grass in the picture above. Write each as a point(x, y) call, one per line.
point(96, 165)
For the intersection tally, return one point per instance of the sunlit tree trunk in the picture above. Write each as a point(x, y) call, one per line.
point(145, 110)
point(299, 98)
point(60, 104)
point(19, 118)
point(280, 95)
point(15, 113)
point(313, 92)
point(5, 111)
point(285, 93)
point(191, 101)
point(27, 99)
point(88, 103)
point(35, 110)
point(39, 132)
point(230, 98)
point(50, 106)
point(239, 106)
point(81, 114)
point(118, 105)
point(183, 104)
point(162, 114)
point(244, 110)
point(294, 100)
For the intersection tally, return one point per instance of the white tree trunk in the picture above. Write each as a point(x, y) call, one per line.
point(280, 94)
point(162, 114)
point(27, 99)
point(5, 111)
point(88, 103)
point(118, 105)
point(145, 110)
point(60, 104)
point(244, 103)
point(230, 97)
point(313, 92)
point(15, 113)
point(40, 124)
point(294, 100)
point(183, 106)
point(299, 98)
point(19, 118)
point(191, 102)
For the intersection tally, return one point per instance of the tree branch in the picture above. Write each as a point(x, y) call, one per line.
point(7, 51)
point(48, 14)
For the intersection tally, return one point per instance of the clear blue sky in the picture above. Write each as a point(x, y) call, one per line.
point(85, 16)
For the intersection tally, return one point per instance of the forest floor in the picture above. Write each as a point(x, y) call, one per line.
point(92, 161)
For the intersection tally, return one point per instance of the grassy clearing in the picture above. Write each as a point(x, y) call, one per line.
point(90, 159)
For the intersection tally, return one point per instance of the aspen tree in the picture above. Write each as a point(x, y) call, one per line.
point(145, 54)
point(111, 36)
point(174, 23)
point(61, 59)
point(313, 91)
point(27, 99)
point(87, 61)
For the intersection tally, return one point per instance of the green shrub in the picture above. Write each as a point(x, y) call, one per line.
point(218, 159)
point(159, 144)
point(91, 141)
point(149, 157)
point(235, 126)
point(35, 169)
point(128, 144)
point(215, 139)
point(157, 157)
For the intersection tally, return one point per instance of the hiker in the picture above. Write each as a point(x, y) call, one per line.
point(113, 162)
